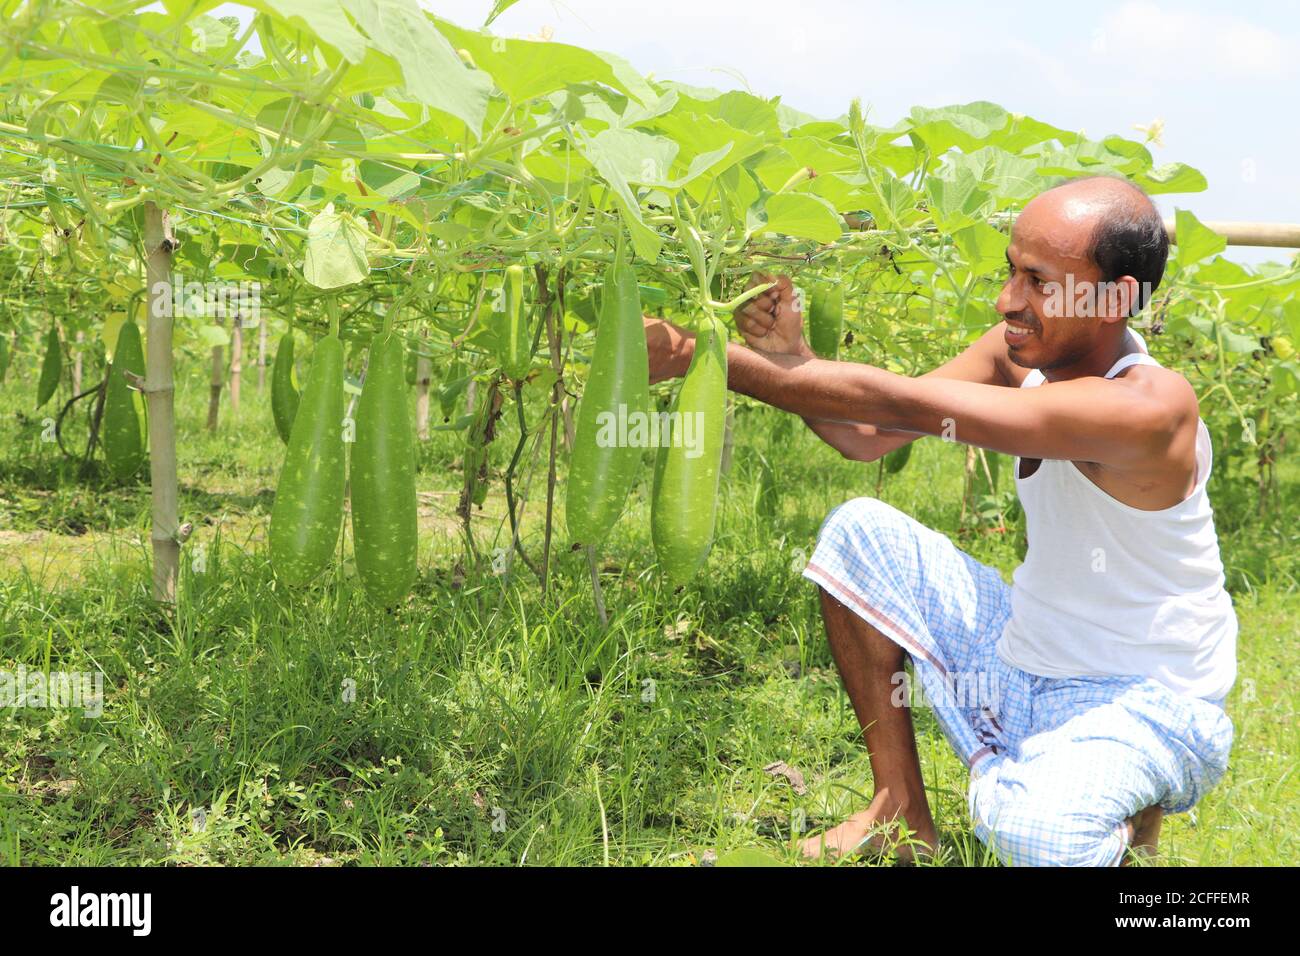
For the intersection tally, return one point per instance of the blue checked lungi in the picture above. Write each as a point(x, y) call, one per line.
point(1057, 764)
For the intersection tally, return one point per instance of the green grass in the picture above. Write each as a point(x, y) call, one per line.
point(483, 723)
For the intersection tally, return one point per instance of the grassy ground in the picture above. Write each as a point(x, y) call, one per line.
point(485, 724)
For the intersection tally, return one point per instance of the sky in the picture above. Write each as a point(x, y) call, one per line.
point(1224, 78)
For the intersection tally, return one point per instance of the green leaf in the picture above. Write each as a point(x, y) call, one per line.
point(336, 250)
point(432, 71)
point(698, 134)
point(609, 156)
point(637, 157)
point(983, 247)
point(1172, 178)
point(1195, 241)
point(1010, 178)
point(498, 8)
point(1238, 342)
point(891, 201)
point(325, 19)
point(803, 216)
point(840, 193)
point(1025, 131)
point(968, 127)
point(524, 69)
point(956, 198)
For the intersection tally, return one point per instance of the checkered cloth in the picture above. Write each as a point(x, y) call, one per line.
point(1057, 764)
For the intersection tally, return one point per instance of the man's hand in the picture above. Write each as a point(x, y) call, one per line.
point(670, 347)
point(770, 321)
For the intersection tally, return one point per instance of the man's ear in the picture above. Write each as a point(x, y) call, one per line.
point(1119, 301)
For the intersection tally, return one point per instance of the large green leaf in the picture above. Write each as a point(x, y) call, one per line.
point(431, 70)
point(802, 216)
point(608, 156)
point(1024, 131)
point(699, 133)
point(524, 69)
point(1171, 178)
point(983, 247)
point(1009, 178)
point(325, 19)
point(891, 201)
point(336, 250)
point(956, 198)
point(634, 156)
point(1195, 241)
point(968, 127)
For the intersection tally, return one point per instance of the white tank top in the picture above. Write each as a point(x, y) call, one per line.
point(1108, 589)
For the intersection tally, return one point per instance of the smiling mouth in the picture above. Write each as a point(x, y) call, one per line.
point(1018, 329)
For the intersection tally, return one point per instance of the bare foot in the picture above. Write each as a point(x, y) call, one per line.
point(1144, 832)
point(875, 829)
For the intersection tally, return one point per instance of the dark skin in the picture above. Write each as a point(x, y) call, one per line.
point(1134, 436)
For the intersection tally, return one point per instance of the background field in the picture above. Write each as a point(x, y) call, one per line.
point(490, 725)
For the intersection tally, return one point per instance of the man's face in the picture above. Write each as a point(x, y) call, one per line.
point(1048, 266)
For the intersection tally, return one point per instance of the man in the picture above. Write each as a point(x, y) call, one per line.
point(1100, 673)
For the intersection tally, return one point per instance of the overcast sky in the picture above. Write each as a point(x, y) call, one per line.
point(1225, 78)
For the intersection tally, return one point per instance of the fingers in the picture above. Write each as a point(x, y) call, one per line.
point(754, 320)
point(773, 312)
point(766, 300)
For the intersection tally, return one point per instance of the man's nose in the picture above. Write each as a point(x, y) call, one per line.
point(1010, 299)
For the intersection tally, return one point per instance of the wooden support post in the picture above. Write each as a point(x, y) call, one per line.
point(160, 394)
point(76, 363)
point(215, 381)
point(236, 362)
point(423, 377)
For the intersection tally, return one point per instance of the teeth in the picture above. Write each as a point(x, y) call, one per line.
point(1017, 330)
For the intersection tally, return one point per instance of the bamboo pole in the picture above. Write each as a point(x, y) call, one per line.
point(1280, 235)
point(160, 394)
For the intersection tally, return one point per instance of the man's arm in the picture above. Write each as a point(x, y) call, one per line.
point(1113, 422)
point(772, 323)
point(979, 362)
point(671, 350)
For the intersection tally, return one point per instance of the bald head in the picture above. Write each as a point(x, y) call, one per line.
point(1125, 233)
